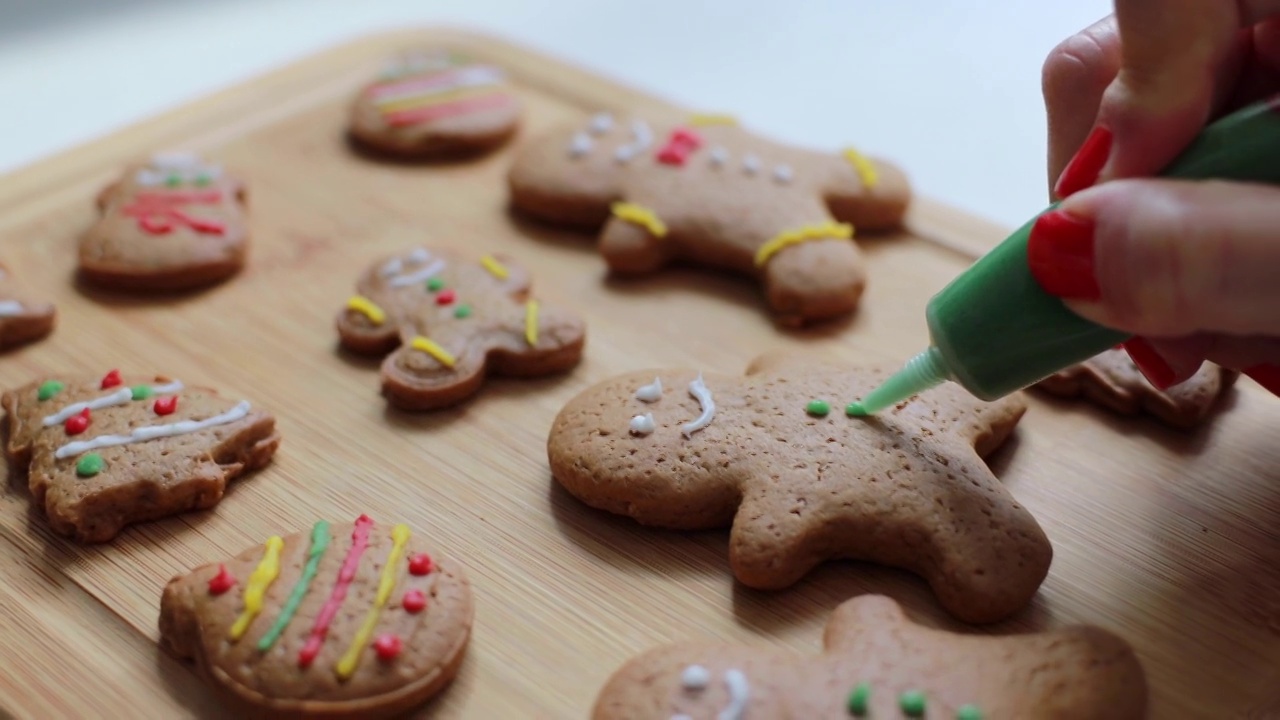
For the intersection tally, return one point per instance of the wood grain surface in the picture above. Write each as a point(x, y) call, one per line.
point(1169, 538)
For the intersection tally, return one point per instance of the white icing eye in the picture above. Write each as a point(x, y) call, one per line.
point(643, 424)
point(695, 677)
point(750, 164)
point(719, 156)
point(782, 173)
point(175, 160)
point(651, 392)
point(581, 145)
point(149, 178)
point(418, 255)
point(624, 153)
point(601, 123)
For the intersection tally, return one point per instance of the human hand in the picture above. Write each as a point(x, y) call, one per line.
point(1191, 268)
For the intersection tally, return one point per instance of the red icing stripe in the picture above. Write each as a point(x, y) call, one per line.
point(435, 112)
point(158, 213)
point(359, 541)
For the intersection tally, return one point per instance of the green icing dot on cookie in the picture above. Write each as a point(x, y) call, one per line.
point(141, 392)
point(912, 703)
point(819, 408)
point(48, 389)
point(173, 181)
point(859, 700)
point(89, 465)
point(462, 311)
point(969, 712)
point(203, 180)
point(435, 284)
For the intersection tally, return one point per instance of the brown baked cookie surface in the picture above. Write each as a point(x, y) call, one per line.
point(173, 223)
point(349, 620)
point(22, 320)
point(1114, 382)
point(448, 321)
point(104, 452)
point(773, 456)
point(435, 103)
point(718, 196)
point(878, 664)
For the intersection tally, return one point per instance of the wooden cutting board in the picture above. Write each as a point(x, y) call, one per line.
point(1168, 538)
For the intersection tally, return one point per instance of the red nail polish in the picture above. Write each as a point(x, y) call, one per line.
point(1154, 367)
point(1060, 255)
point(1268, 376)
point(1083, 170)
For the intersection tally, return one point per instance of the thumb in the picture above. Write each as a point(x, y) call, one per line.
point(1165, 258)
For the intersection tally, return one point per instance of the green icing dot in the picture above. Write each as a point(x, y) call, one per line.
point(818, 407)
point(89, 465)
point(203, 180)
point(48, 389)
point(912, 703)
point(859, 700)
point(173, 181)
point(969, 712)
point(854, 409)
point(141, 392)
point(462, 311)
point(435, 284)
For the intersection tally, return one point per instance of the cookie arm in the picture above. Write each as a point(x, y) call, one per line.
point(870, 193)
point(634, 244)
point(365, 327)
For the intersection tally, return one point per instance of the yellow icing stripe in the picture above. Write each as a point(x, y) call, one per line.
point(386, 583)
point(263, 575)
point(531, 322)
point(368, 308)
point(866, 170)
point(794, 237)
point(431, 348)
point(704, 119)
point(640, 215)
point(494, 267)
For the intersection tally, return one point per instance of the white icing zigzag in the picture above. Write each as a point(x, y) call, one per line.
point(153, 432)
point(119, 397)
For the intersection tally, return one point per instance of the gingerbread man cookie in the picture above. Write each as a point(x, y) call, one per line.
point(351, 620)
point(878, 664)
point(716, 195)
point(454, 321)
point(107, 451)
point(800, 484)
point(440, 103)
point(174, 223)
point(1114, 382)
point(22, 320)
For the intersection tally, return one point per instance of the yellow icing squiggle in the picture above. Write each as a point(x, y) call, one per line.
point(865, 168)
point(254, 590)
point(787, 238)
point(640, 215)
point(494, 267)
point(531, 322)
point(704, 119)
point(444, 357)
point(368, 308)
point(386, 583)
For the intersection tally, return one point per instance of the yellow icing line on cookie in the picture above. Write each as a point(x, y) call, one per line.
point(263, 575)
point(368, 308)
point(866, 170)
point(386, 583)
point(640, 215)
point(787, 238)
point(429, 99)
point(494, 267)
point(431, 348)
point(531, 322)
point(704, 119)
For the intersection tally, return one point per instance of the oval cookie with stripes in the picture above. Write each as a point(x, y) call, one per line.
point(346, 620)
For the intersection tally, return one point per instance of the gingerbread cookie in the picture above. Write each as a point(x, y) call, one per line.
point(107, 451)
point(800, 483)
point(454, 321)
point(427, 104)
point(716, 195)
point(1113, 381)
point(174, 223)
point(22, 320)
point(878, 664)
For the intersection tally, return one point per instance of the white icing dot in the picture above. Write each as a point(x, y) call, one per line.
point(601, 123)
point(695, 677)
point(581, 145)
point(719, 156)
point(624, 153)
point(643, 424)
point(782, 173)
point(651, 392)
point(750, 164)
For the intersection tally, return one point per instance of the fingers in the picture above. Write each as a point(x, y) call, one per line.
point(1073, 79)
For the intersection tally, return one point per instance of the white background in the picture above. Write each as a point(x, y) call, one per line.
point(948, 88)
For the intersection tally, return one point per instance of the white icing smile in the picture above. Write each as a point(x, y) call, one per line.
point(699, 390)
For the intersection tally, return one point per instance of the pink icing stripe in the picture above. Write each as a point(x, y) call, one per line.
point(435, 112)
point(359, 541)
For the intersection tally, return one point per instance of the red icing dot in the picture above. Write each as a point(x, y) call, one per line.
point(388, 646)
point(111, 379)
point(445, 297)
point(221, 582)
point(166, 405)
point(77, 424)
point(415, 601)
point(420, 564)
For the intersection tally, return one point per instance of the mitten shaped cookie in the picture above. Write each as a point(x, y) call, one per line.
point(800, 484)
point(345, 621)
point(107, 451)
point(716, 195)
point(437, 103)
point(22, 320)
point(876, 663)
point(1114, 382)
point(447, 322)
point(174, 223)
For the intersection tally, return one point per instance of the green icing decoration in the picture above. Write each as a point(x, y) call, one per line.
point(969, 712)
point(141, 392)
point(819, 408)
point(173, 181)
point(462, 311)
point(89, 465)
point(203, 180)
point(435, 284)
point(48, 389)
point(854, 409)
point(859, 700)
point(912, 703)
point(319, 543)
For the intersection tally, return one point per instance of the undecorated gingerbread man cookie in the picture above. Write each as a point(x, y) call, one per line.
point(22, 320)
point(876, 663)
point(446, 322)
point(800, 483)
point(716, 195)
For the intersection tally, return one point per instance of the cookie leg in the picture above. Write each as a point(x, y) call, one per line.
point(413, 379)
point(631, 248)
point(770, 547)
point(815, 280)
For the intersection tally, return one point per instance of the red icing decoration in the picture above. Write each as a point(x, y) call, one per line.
point(346, 573)
point(420, 564)
point(77, 424)
point(388, 646)
point(221, 582)
point(166, 405)
point(445, 297)
point(158, 213)
point(679, 146)
point(415, 601)
point(111, 379)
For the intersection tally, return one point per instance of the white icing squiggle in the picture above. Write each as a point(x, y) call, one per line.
point(601, 123)
point(417, 276)
point(153, 432)
point(782, 173)
point(642, 138)
point(9, 308)
point(694, 677)
point(643, 424)
point(699, 390)
point(651, 392)
point(739, 694)
point(120, 397)
point(581, 145)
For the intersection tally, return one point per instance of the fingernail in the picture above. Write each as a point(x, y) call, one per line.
point(1268, 376)
point(1060, 255)
point(1083, 170)
point(1153, 367)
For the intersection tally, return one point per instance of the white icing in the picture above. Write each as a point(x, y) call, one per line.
point(699, 390)
point(417, 276)
point(467, 77)
point(120, 397)
point(651, 392)
point(695, 677)
point(153, 432)
point(719, 156)
point(391, 267)
point(419, 254)
point(581, 145)
point(9, 308)
point(643, 424)
point(782, 173)
point(601, 123)
point(739, 694)
point(641, 139)
point(750, 164)
point(395, 265)
point(186, 166)
point(681, 717)
point(175, 160)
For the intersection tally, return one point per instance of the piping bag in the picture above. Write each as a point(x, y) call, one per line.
point(993, 329)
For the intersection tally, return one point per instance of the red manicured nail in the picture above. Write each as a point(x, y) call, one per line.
point(1156, 370)
point(1083, 170)
point(1060, 255)
point(1268, 376)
